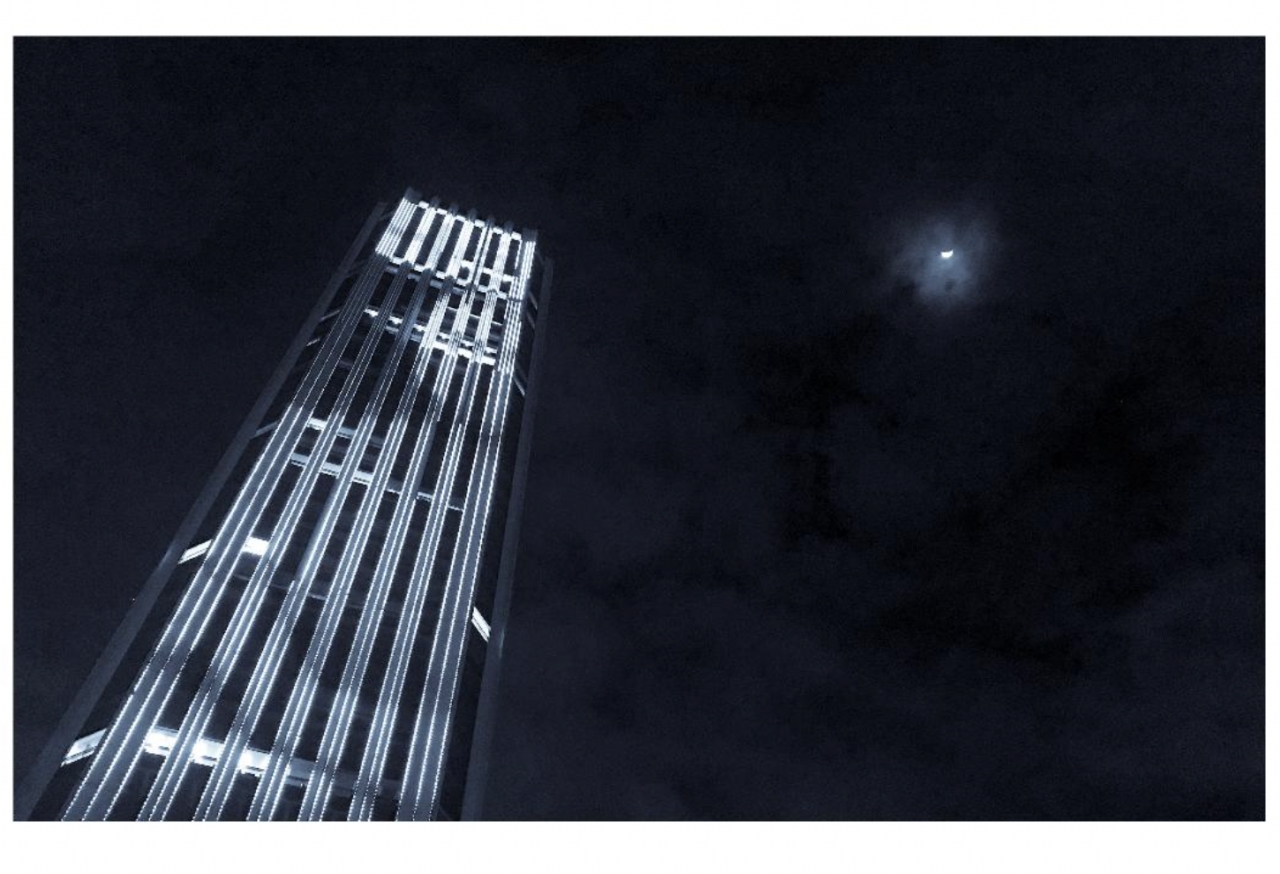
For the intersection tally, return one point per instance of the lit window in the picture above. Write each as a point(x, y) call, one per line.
point(206, 751)
point(255, 546)
point(160, 741)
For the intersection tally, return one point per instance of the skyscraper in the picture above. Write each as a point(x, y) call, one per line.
point(323, 637)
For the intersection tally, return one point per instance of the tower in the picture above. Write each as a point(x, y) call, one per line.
point(322, 639)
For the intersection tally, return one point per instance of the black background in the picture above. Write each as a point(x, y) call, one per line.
point(814, 529)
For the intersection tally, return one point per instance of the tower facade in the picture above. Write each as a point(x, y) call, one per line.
point(322, 639)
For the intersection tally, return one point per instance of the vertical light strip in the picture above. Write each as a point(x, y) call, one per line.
point(441, 235)
point(342, 710)
point(268, 664)
point(419, 234)
point(232, 642)
point(326, 627)
point(123, 744)
point(459, 249)
point(272, 783)
point(298, 707)
point(420, 786)
point(342, 713)
point(369, 777)
point(459, 581)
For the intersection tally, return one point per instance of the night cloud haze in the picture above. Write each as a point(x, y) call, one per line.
point(819, 524)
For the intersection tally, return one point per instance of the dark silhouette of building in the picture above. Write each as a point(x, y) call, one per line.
point(322, 639)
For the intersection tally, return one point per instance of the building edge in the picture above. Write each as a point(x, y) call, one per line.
point(487, 711)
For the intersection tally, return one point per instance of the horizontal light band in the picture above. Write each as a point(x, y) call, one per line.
point(160, 741)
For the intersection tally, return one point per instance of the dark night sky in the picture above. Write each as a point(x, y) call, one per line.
point(814, 529)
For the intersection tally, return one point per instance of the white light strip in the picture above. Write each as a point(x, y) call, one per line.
point(420, 785)
point(388, 702)
point(342, 713)
point(428, 227)
point(419, 234)
point(376, 749)
point(195, 552)
point(267, 667)
point(233, 639)
point(459, 429)
point(478, 621)
point(102, 783)
point(395, 231)
point(469, 225)
point(421, 755)
point(189, 744)
point(489, 454)
point(316, 378)
point(448, 219)
point(303, 693)
point(317, 793)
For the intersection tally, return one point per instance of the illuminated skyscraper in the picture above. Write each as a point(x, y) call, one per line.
point(322, 638)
